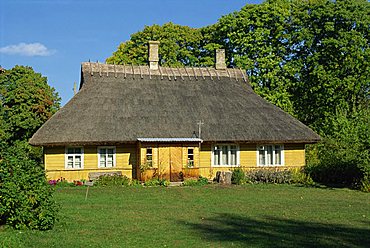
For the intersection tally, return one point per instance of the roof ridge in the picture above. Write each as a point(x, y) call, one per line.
point(182, 72)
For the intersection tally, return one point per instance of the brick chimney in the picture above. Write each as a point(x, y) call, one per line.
point(153, 55)
point(220, 59)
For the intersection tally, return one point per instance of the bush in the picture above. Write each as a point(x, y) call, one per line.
point(269, 176)
point(343, 157)
point(190, 182)
point(61, 182)
point(196, 182)
point(26, 198)
point(113, 180)
point(157, 182)
point(135, 182)
point(238, 176)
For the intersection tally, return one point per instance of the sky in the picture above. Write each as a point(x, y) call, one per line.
point(56, 36)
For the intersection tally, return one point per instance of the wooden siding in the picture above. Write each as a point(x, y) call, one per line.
point(54, 158)
point(129, 158)
point(294, 156)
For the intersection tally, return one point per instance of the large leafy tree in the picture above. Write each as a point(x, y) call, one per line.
point(26, 102)
point(331, 48)
point(180, 45)
point(257, 39)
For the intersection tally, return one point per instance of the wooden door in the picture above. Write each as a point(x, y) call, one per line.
point(175, 163)
point(164, 162)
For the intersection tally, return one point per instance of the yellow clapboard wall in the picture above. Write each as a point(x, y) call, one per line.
point(129, 158)
point(54, 159)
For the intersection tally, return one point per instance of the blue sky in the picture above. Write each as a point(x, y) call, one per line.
point(55, 36)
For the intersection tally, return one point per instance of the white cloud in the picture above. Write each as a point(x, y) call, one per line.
point(24, 49)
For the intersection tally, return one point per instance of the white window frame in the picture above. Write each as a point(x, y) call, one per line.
point(229, 155)
point(114, 156)
point(187, 157)
point(149, 162)
point(66, 155)
point(258, 148)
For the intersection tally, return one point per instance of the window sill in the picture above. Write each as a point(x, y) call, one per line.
point(270, 165)
point(236, 165)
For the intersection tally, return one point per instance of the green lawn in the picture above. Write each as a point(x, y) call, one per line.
point(211, 216)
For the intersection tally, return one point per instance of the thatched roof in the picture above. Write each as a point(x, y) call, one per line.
point(119, 104)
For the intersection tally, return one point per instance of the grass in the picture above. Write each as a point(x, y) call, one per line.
point(211, 216)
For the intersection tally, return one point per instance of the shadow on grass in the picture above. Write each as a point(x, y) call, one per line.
point(275, 232)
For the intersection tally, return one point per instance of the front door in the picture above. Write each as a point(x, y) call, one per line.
point(170, 162)
point(175, 163)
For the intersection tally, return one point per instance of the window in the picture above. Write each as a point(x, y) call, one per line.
point(74, 158)
point(107, 157)
point(190, 157)
point(149, 156)
point(270, 155)
point(227, 155)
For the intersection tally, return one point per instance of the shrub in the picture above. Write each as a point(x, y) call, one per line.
point(135, 182)
point(190, 182)
point(238, 176)
point(343, 157)
point(61, 182)
point(269, 176)
point(152, 182)
point(202, 181)
point(26, 198)
point(301, 177)
point(113, 180)
point(196, 182)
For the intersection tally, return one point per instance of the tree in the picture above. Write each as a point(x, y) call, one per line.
point(180, 45)
point(26, 199)
point(26, 102)
point(344, 156)
point(331, 49)
point(257, 39)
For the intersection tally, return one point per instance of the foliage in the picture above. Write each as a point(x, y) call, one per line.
point(287, 176)
point(269, 176)
point(306, 57)
point(238, 177)
point(331, 50)
point(60, 183)
point(26, 198)
point(344, 155)
point(157, 182)
point(113, 180)
point(201, 181)
point(135, 182)
point(179, 45)
point(256, 39)
point(145, 166)
point(26, 102)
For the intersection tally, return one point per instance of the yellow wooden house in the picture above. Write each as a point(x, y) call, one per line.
point(173, 123)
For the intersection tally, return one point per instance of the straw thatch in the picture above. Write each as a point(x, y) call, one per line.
point(117, 105)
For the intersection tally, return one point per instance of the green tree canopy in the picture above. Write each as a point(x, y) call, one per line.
point(26, 102)
point(331, 49)
point(180, 45)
